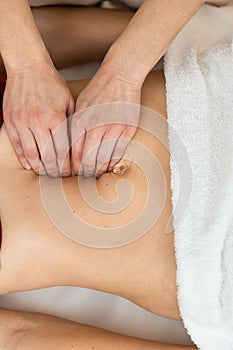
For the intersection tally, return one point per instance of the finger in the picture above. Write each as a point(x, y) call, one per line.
point(119, 151)
point(47, 152)
point(61, 146)
point(31, 151)
point(78, 136)
point(17, 144)
point(90, 150)
point(105, 152)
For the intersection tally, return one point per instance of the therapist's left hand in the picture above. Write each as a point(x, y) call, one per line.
point(106, 119)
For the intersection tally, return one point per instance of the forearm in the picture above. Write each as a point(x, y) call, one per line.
point(148, 36)
point(37, 331)
point(20, 41)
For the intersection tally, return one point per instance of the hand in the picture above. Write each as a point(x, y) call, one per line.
point(106, 119)
point(36, 101)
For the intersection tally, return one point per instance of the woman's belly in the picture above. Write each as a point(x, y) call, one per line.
point(143, 271)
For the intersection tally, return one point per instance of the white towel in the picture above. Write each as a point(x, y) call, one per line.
point(199, 81)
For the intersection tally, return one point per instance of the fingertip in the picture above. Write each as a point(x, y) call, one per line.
point(42, 173)
point(66, 174)
point(65, 169)
point(27, 166)
point(113, 163)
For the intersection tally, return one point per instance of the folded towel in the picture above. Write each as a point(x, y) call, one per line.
point(199, 81)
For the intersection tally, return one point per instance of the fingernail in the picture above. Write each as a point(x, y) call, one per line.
point(27, 166)
point(66, 175)
point(54, 175)
point(42, 173)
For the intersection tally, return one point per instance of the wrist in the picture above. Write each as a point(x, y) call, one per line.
point(16, 60)
point(125, 67)
point(20, 41)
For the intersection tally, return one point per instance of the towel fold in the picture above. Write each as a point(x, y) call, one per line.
point(199, 81)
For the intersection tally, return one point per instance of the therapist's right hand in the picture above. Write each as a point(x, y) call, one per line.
point(36, 101)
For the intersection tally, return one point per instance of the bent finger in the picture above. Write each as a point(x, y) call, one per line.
point(119, 151)
point(61, 146)
point(17, 144)
point(105, 152)
point(78, 136)
point(47, 152)
point(31, 151)
point(90, 150)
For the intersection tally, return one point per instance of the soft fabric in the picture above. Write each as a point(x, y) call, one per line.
point(199, 81)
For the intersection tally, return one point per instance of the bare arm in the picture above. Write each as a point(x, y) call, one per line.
point(125, 67)
point(148, 36)
point(37, 98)
point(20, 41)
point(31, 331)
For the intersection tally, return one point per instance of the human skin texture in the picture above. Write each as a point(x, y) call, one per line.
point(143, 271)
point(33, 111)
point(149, 279)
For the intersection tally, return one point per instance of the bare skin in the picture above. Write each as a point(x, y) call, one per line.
point(143, 272)
point(28, 331)
point(104, 262)
point(149, 279)
point(31, 107)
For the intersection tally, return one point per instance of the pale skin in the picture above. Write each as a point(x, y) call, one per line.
point(32, 108)
point(149, 279)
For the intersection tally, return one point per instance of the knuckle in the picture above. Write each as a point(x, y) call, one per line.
point(17, 145)
point(56, 120)
point(14, 119)
point(36, 122)
point(77, 155)
point(31, 153)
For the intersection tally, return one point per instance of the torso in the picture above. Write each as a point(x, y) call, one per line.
point(35, 254)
